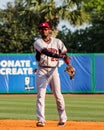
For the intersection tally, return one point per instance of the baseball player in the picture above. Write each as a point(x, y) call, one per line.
point(48, 52)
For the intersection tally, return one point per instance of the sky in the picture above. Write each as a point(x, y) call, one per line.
point(3, 3)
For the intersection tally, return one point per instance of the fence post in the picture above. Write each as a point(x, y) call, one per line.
point(93, 73)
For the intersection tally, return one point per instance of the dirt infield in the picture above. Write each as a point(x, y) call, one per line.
point(50, 125)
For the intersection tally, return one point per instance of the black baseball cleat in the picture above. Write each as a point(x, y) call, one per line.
point(40, 124)
point(61, 123)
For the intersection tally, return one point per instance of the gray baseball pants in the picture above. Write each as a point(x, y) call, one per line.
point(45, 76)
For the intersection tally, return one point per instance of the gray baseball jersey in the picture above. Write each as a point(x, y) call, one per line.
point(54, 46)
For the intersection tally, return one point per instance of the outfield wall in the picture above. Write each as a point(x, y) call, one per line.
point(16, 74)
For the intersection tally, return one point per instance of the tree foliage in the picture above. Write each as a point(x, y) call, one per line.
point(19, 24)
point(90, 39)
point(96, 31)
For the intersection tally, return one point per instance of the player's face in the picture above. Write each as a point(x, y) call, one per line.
point(44, 31)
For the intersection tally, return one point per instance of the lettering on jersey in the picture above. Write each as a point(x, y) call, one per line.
point(54, 51)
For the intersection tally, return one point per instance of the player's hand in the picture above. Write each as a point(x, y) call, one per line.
point(71, 71)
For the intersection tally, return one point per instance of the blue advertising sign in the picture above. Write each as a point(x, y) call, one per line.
point(17, 75)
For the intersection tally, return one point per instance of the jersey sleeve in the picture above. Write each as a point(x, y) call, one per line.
point(38, 46)
point(61, 47)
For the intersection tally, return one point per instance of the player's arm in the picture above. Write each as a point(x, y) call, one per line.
point(66, 58)
point(52, 54)
point(46, 52)
point(37, 56)
point(60, 55)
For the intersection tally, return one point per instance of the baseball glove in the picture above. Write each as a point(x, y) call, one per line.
point(71, 71)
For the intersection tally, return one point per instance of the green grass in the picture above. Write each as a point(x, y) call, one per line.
point(80, 108)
